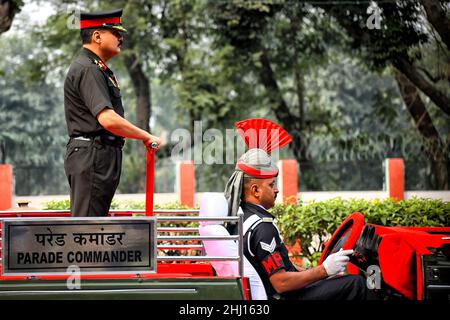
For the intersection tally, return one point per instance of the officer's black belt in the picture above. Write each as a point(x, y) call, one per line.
point(105, 139)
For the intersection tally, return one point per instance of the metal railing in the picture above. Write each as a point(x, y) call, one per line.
point(239, 238)
point(172, 238)
point(113, 213)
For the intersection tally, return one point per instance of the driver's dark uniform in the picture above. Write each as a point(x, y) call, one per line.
point(265, 250)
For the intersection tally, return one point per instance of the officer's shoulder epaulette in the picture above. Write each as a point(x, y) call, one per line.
point(101, 65)
point(266, 219)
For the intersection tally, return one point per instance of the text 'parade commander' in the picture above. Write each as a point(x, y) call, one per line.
point(95, 117)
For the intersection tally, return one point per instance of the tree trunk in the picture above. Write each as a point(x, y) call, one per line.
point(433, 146)
point(7, 11)
point(413, 74)
point(6, 15)
point(299, 83)
point(142, 89)
point(437, 17)
point(402, 61)
point(141, 85)
point(289, 121)
point(2, 152)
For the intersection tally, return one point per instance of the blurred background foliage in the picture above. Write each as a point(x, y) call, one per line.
point(310, 225)
point(350, 96)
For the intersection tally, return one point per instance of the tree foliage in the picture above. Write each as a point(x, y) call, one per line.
point(413, 42)
point(30, 119)
point(348, 95)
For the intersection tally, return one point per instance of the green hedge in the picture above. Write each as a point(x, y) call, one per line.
point(322, 218)
point(115, 205)
point(319, 220)
point(57, 205)
point(128, 205)
point(137, 205)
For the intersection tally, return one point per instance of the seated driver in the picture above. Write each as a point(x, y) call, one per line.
point(253, 187)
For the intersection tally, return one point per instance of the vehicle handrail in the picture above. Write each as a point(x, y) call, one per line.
point(159, 219)
point(239, 238)
point(197, 238)
point(187, 219)
point(177, 229)
point(112, 212)
point(180, 247)
point(198, 258)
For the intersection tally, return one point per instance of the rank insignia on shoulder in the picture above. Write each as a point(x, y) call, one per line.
point(267, 220)
point(269, 247)
point(100, 64)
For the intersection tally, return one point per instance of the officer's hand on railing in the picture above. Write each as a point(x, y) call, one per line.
point(152, 142)
point(335, 263)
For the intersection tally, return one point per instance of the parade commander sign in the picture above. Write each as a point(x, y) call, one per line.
point(95, 245)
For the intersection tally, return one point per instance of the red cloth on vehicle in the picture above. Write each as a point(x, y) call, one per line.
point(397, 253)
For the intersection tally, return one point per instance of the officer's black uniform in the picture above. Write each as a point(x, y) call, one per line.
point(267, 253)
point(93, 159)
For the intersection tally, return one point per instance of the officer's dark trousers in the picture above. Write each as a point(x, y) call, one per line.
point(93, 171)
point(350, 287)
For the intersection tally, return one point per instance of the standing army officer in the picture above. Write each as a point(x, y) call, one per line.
point(95, 117)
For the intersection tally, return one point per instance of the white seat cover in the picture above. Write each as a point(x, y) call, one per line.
point(215, 205)
point(224, 248)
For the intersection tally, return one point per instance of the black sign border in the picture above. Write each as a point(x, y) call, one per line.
point(149, 221)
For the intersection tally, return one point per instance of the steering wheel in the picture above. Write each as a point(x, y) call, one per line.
point(345, 236)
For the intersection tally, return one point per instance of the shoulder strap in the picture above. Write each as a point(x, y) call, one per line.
point(106, 71)
point(250, 224)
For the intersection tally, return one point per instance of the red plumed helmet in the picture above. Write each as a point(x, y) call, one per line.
point(263, 134)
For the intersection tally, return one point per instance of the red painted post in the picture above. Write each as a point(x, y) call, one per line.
point(6, 186)
point(395, 178)
point(186, 183)
point(149, 182)
point(288, 181)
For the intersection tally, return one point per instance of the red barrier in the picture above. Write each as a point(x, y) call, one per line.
point(186, 183)
point(288, 181)
point(6, 186)
point(395, 178)
point(149, 182)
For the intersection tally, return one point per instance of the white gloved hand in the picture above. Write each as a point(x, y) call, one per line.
point(335, 263)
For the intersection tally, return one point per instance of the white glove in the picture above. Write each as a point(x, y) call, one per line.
point(335, 263)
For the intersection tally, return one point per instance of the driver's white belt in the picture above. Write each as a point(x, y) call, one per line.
point(250, 224)
point(254, 220)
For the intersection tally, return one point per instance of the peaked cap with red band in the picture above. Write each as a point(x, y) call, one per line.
point(261, 136)
point(107, 19)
